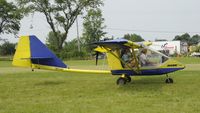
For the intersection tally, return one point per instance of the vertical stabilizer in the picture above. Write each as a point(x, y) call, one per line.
point(22, 54)
point(30, 50)
point(41, 55)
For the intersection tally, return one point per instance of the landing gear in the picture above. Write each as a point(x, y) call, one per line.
point(169, 80)
point(128, 79)
point(123, 80)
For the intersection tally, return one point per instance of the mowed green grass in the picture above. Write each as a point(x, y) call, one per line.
point(23, 91)
point(188, 60)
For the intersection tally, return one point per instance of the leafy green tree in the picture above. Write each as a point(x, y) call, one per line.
point(185, 38)
point(133, 37)
point(197, 49)
point(10, 17)
point(70, 51)
point(93, 26)
point(51, 40)
point(7, 48)
point(60, 14)
point(195, 39)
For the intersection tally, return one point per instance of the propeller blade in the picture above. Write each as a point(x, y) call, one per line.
point(97, 55)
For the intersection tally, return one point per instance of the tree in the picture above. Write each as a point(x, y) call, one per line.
point(185, 37)
point(197, 49)
point(70, 51)
point(133, 37)
point(69, 48)
point(10, 17)
point(60, 14)
point(93, 26)
point(51, 40)
point(7, 48)
point(195, 39)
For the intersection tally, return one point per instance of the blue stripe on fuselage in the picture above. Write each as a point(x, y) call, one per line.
point(158, 71)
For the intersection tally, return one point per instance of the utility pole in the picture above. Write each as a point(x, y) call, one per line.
point(78, 38)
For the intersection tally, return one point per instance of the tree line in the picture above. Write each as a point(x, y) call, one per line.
point(70, 50)
point(60, 16)
point(191, 40)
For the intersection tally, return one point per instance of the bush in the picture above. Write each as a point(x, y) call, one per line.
point(70, 51)
point(73, 53)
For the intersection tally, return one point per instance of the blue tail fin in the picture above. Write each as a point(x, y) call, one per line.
point(41, 55)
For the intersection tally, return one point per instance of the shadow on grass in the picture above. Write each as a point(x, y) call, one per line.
point(50, 83)
point(145, 84)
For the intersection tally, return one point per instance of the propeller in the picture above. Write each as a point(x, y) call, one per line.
point(97, 55)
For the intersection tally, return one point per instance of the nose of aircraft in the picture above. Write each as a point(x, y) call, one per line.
point(177, 64)
point(171, 63)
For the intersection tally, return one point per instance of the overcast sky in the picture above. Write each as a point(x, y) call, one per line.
point(161, 19)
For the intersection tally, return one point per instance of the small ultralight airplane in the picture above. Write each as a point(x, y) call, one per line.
point(123, 58)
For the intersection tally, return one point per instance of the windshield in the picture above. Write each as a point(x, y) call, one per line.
point(144, 56)
point(150, 57)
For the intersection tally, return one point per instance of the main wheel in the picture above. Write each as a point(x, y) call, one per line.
point(128, 79)
point(169, 80)
point(121, 81)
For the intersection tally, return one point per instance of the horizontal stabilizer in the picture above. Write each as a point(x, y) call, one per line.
point(41, 58)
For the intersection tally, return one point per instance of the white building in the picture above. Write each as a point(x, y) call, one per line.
point(171, 47)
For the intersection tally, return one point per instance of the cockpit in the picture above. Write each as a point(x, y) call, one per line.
point(144, 57)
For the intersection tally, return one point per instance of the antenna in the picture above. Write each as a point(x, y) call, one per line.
point(31, 26)
point(78, 38)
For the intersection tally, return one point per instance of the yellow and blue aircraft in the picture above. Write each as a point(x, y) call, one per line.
point(125, 58)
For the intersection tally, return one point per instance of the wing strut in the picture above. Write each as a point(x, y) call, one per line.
point(136, 61)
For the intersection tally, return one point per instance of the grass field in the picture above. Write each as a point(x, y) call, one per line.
point(23, 91)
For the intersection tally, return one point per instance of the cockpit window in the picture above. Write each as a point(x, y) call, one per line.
point(148, 57)
point(144, 57)
point(127, 57)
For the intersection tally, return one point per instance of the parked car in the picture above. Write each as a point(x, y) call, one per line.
point(195, 54)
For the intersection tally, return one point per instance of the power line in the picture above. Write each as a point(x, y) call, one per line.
point(151, 31)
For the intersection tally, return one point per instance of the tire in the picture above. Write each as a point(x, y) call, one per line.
point(128, 79)
point(169, 81)
point(121, 81)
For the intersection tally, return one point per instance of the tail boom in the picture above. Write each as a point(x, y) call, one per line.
point(36, 66)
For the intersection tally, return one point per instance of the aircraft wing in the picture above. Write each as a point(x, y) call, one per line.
point(117, 44)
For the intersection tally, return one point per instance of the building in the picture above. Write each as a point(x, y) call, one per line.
point(172, 47)
point(184, 48)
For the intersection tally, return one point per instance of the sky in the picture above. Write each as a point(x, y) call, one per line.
point(151, 19)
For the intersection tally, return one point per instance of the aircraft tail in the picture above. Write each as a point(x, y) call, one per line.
point(31, 51)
